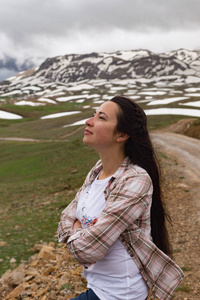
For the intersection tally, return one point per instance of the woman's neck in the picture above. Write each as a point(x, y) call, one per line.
point(111, 163)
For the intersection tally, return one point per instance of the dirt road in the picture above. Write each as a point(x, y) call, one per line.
point(186, 151)
point(180, 162)
point(185, 148)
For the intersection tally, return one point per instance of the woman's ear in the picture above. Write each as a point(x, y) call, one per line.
point(122, 137)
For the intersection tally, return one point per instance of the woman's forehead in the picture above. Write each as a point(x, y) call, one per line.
point(108, 107)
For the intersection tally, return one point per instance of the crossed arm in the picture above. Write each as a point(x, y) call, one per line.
point(125, 203)
point(77, 225)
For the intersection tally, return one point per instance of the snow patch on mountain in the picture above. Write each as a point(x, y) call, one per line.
point(173, 111)
point(154, 79)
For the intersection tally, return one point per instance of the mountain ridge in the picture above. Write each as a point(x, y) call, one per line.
point(128, 64)
point(154, 79)
point(120, 64)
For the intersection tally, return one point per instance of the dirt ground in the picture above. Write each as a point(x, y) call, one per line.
point(180, 165)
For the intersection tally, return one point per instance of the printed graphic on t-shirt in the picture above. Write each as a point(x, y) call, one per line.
point(88, 221)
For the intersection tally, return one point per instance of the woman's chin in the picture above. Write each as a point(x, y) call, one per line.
point(85, 140)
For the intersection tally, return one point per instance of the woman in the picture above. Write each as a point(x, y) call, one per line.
point(115, 226)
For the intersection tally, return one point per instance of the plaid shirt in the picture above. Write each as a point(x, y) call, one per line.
point(127, 217)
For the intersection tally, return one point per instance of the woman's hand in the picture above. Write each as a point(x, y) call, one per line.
point(77, 225)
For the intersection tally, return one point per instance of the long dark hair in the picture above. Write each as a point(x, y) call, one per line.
point(133, 121)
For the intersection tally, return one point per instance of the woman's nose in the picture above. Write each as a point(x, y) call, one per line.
point(89, 121)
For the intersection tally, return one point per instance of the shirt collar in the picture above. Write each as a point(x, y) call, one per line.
point(122, 168)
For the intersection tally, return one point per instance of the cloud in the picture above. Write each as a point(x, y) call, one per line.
point(35, 28)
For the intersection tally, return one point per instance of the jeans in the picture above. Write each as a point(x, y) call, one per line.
point(88, 295)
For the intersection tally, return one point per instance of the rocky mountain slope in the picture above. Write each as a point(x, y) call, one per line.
point(121, 65)
point(155, 80)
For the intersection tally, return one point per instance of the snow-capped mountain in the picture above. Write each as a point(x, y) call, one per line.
point(155, 80)
point(120, 65)
point(61, 78)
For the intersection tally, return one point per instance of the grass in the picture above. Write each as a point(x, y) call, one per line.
point(161, 154)
point(31, 126)
point(186, 269)
point(39, 111)
point(67, 286)
point(37, 181)
point(183, 288)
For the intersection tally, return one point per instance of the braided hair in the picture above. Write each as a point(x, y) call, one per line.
point(133, 121)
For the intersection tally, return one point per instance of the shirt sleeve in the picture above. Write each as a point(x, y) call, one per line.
point(68, 218)
point(126, 202)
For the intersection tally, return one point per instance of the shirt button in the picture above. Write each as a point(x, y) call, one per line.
point(86, 268)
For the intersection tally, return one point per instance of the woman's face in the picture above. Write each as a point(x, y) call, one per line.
point(100, 132)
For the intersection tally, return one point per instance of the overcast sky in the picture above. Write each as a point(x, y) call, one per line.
point(46, 28)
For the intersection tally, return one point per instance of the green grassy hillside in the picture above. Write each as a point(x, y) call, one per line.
point(37, 181)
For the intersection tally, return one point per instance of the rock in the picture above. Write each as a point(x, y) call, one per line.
point(37, 247)
point(46, 253)
point(52, 244)
point(28, 278)
point(34, 286)
point(64, 280)
point(52, 296)
point(38, 279)
point(32, 272)
point(6, 275)
point(15, 293)
point(43, 276)
point(13, 260)
point(3, 244)
point(16, 276)
point(47, 271)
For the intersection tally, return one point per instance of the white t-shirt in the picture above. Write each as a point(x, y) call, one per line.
point(116, 276)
